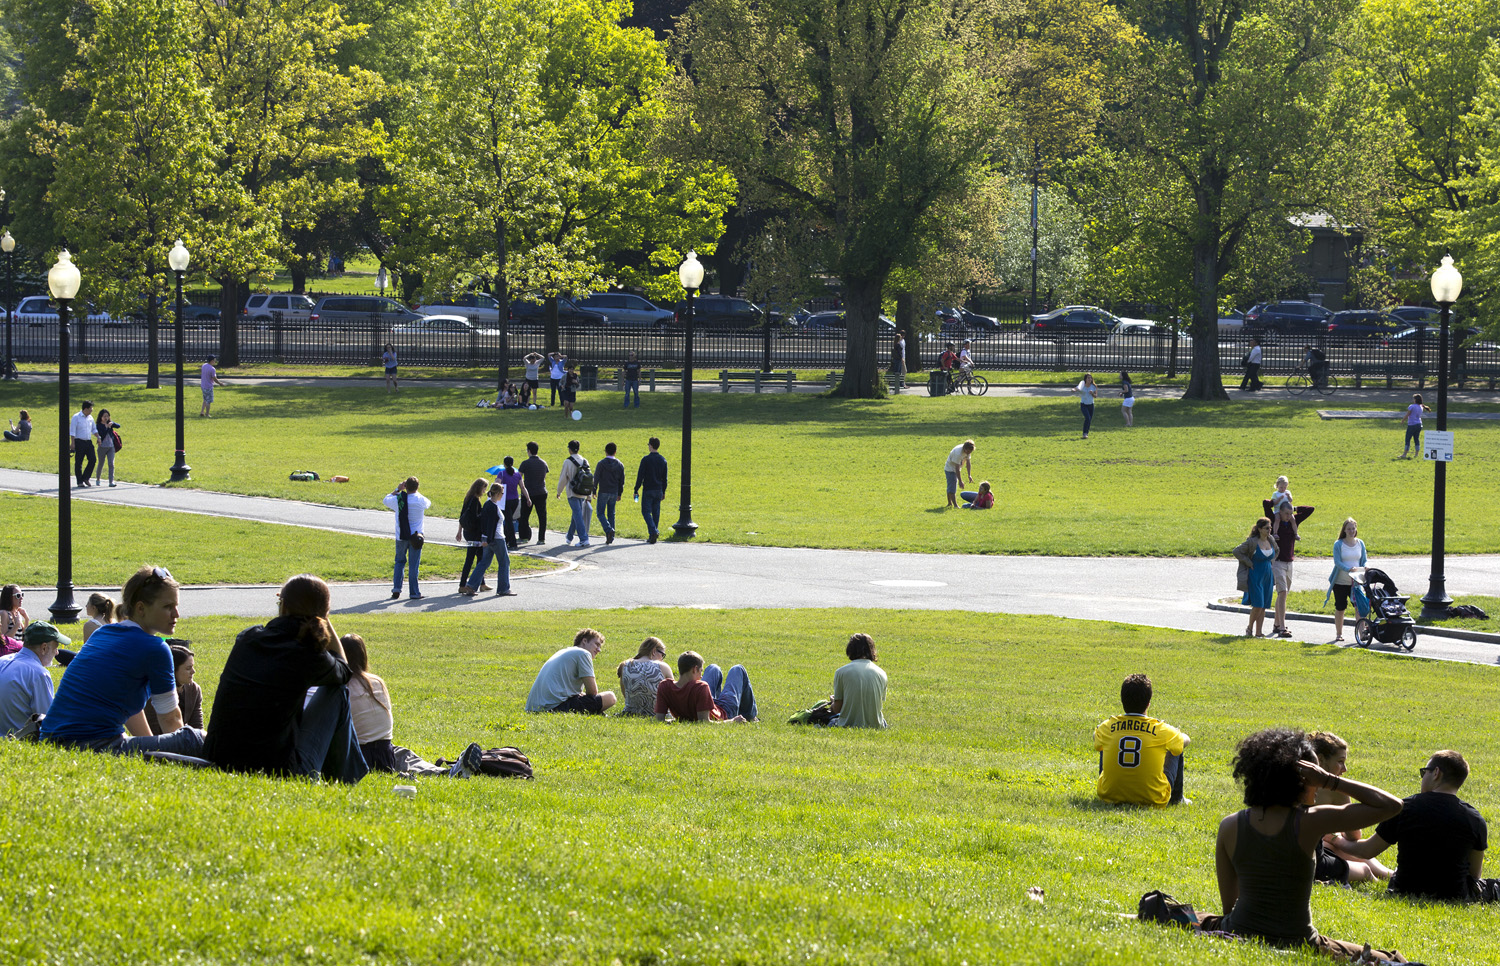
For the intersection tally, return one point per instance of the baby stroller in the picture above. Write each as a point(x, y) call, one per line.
point(1387, 620)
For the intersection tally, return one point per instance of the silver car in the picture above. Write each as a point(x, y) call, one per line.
point(632, 310)
point(266, 306)
point(477, 307)
point(361, 309)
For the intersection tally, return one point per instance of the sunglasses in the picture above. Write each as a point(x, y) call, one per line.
point(1422, 772)
point(161, 573)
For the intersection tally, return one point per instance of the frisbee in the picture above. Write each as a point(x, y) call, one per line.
point(577, 414)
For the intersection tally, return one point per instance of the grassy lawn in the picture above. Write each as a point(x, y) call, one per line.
point(1311, 602)
point(646, 844)
point(110, 542)
point(800, 470)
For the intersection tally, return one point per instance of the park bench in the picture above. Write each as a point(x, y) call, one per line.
point(769, 379)
point(1487, 373)
point(1390, 371)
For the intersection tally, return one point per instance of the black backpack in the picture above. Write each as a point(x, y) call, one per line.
point(1157, 906)
point(505, 763)
point(583, 480)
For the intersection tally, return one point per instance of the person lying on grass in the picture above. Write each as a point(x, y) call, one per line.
point(1266, 853)
point(125, 665)
point(706, 694)
point(1140, 758)
point(1335, 866)
point(1440, 838)
point(566, 682)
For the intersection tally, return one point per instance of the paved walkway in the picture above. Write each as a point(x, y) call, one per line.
point(1156, 592)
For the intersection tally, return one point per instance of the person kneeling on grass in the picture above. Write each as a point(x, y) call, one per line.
point(858, 698)
point(264, 719)
point(566, 682)
point(1140, 758)
point(1266, 853)
point(125, 665)
point(981, 499)
point(706, 693)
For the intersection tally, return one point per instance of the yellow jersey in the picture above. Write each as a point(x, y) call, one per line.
point(1133, 750)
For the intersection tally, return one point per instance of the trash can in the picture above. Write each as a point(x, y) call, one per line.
point(588, 378)
point(937, 383)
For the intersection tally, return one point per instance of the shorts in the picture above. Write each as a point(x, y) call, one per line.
point(1281, 575)
point(1341, 596)
point(208, 394)
point(952, 481)
point(1331, 868)
point(391, 371)
point(581, 704)
point(1128, 402)
point(533, 383)
point(569, 395)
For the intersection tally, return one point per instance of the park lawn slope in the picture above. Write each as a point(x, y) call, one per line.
point(799, 470)
point(642, 843)
point(110, 542)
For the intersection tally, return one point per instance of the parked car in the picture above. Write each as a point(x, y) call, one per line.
point(193, 316)
point(1363, 323)
point(1145, 332)
point(439, 326)
point(535, 312)
point(1407, 338)
point(266, 306)
point(961, 320)
point(1072, 322)
point(477, 307)
point(1412, 314)
point(41, 310)
point(622, 309)
point(723, 312)
point(834, 324)
point(1287, 318)
point(1232, 323)
point(361, 309)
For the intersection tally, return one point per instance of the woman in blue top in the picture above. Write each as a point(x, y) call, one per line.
point(1086, 391)
point(1256, 554)
point(1348, 556)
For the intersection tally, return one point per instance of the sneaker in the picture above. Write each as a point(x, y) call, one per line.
point(467, 765)
point(651, 539)
point(395, 595)
point(609, 538)
point(505, 593)
point(540, 541)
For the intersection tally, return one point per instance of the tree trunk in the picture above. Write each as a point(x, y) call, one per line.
point(229, 322)
point(1205, 381)
point(153, 336)
point(549, 314)
point(502, 296)
point(299, 280)
point(862, 375)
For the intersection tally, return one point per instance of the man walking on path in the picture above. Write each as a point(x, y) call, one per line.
point(651, 487)
point(534, 479)
point(1251, 379)
point(569, 485)
point(209, 376)
point(81, 433)
point(410, 507)
point(609, 482)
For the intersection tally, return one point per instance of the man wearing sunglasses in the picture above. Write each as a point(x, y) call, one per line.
point(1440, 838)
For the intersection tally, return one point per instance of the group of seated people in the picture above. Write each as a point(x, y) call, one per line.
point(1303, 824)
point(512, 396)
point(697, 691)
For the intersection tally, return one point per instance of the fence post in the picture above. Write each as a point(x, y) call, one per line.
point(375, 345)
point(723, 380)
point(278, 336)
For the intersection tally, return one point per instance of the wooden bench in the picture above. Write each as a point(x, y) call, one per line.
point(668, 376)
point(785, 380)
point(1390, 371)
point(1489, 374)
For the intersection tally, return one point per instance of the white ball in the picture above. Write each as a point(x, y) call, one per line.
point(577, 414)
point(532, 406)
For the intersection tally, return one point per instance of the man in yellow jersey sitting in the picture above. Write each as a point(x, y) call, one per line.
point(1140, 758)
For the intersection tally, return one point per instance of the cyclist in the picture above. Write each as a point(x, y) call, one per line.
point(1317, 366)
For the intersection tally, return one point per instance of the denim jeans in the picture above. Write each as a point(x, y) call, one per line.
point(1088, 417)
point(952, 478)
point(1174, 767)
point(606, 512)
point(732, 692)
point(651, 510)
point(410, 558)
point(326, 742)
point(633, 386)
point(183, 741)
point(494, 550)
point(580, 522)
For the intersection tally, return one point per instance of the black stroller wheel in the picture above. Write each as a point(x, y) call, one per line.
point(1408, 640)
point(1364, 633)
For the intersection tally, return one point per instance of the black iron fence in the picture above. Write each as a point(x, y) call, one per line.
point(417, 344)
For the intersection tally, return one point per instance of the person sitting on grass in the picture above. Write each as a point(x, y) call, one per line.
point(859, 687)
point(1140, 757)
point(263, 718)
point(1333, 867)
point(1266, 853)
point(374, 723)
point(981, 499)
point(25, 685)
point(706, 694)
point(640, 676)
point(189, 692)
point(124, 666)
point(19, 433)
point(100, 611)
point(566, 682)
point(13, 617)
point(1440, 838)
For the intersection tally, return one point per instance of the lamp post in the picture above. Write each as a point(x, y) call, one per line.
point(690, 274)
point(62, 281)
point(177, 258)
point(8, 244)
point(1447, 283)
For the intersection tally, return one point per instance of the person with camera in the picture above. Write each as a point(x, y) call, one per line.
point(410, 507)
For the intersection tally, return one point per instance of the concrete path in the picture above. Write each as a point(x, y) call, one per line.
point(1156, 592)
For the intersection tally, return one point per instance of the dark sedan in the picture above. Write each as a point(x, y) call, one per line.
point(1287, 318)
point(962, 320)
point(1079, 323)
point(833, 324)
point(525, 310)
point(723, 312)
point(1363, 323)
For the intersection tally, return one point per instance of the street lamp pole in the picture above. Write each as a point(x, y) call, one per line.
point(1447, 284)
point(177, 258)
point(690, 274)
point(8, 244)
point(63, 281)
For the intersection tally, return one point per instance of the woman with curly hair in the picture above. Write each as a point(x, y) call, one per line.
point(1266, 854)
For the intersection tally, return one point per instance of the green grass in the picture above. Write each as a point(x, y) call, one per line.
point(1311, 602)
point(803, 470)
point(642, 843)
point(110, 542)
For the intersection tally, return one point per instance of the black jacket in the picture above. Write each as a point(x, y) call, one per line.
point(652, 474)
point(489, 520)
point(468, 519)
point(609, 477)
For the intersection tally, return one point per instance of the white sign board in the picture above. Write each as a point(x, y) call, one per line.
point(1437, 446)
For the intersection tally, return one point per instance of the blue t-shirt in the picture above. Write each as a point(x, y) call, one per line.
point(109, 681)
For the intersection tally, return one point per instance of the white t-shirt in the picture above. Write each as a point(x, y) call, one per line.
point(1347, 558)
point(556, 370)
point(416, 506)
point(560, 678)
point(1255, 355)
point(955, 459)
point(83, 428)
point(370, 710)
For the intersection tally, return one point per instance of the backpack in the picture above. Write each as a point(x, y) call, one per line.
point(119, 443)
point(505, 763)
point(583, 480)
point(1468, 611)
point(303, 476)
point(1156, 906)
point(820, 714)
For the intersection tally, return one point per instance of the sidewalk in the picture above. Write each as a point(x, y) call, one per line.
point(1150, 591)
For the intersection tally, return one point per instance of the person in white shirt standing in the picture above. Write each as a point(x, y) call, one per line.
point(410, 506)
point(81, 442)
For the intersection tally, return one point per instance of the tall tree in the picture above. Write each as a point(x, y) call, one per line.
point(863, 119)
point(1477, 234)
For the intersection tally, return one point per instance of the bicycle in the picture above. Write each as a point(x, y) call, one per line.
point(1301, 381)
point(965, 380)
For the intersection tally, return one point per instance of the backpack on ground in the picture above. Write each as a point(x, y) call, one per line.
point(1156, 906)
point(1468, 612)
point(303, 476)
point(820, 714)
point(505, 763)
point(583, 480)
